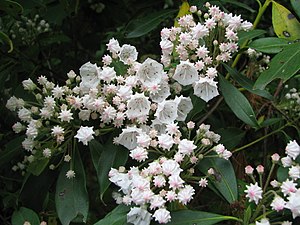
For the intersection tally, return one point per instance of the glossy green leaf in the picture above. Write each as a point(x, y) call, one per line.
point(183, 10)
point(269, 45)
point(249, 35)
point(247, 215)
point(38, 166)
point(237, 102)
point(141, 26)
point(225, 181)
point(284, 65)
point(24, 214)
point(12, 150)
point(116, 217)
point(7, 40)
point(12, 8)
point(285, 24)
point(189, 217)
point(198, 107)
point(231, 136)
point(247, 83)
point(282, 174)
point(71, 197)
point(296, 6)
point(104, 158)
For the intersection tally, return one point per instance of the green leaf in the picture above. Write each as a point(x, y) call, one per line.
point(116, 217)
point(141, 26)
point(269, 122)
point(38, 166)
point(249, 35)
point(6, 39)
point(269, 45)
point(189, 217)
point(104, 158)
point(284, 65)
point(12, 150)
point(225, 181)
point(237, 102)
point(231, 136)
point(246, 83)
point(183, 10)
point(71, 197)
point(247, 215)
point(198, 106)
point(119, 67)
point(284, 22)
point(296, 6)
point(24, 214)
point(282, 174)
point(11, 7)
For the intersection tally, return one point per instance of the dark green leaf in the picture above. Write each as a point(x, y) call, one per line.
point(71, 197)
point(269, 122)
point(237, 102)
point(247, 83)
point(296, 6)
point(189, 217)
point(231, 136)
point(24, 214)
point(11, 7)
point(116, 217)
point(248, 35)
point(284, 65)
point(198, 106)
point(141, 26)
point(269, 45)
point(119, 67)
point(247, 215)
point(225, 181)
point(282, 174)
point(38, 166)
point(12, 150)
point(6, 39)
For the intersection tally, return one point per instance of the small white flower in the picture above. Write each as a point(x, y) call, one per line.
point(138, 106)
point(65, 115)
point(14, 103)
point(278, 203)
point(70, 174)
point(292, 149)
point(170, 167)
point(162, 215)
point(286, 161)
point(138, 216)
point(186, 147)
point(47, 153)
point(139, 154)
point(294, 203)
point(294, 172)
point(113, 46)
point(186, 194)
point(165, 141)
point(150, 72)
point(162, 93)
point(107, 74)
point(288, 187)
point(263, 221)
point(18, 127)
point(57, 130)
point(128, 137)
point(184, 106)
point(128, 54)
point(89, 77)
point(254, 193)
point(206, 89)
point(28, 85)
point(143, 140)
point(24, 115)
point(85, 134)
point(203, 182)
point(166, 111)
point(185, 73)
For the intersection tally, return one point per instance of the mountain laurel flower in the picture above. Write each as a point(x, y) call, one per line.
point(294, 172)
point(138, 106)
point(260, 169)
point(275, 157)
point(288, 187)
point(294, 203)
point(166, 111)
point(206, 89)
point(162, 216)
point(185, 194)
point(113, 46)
point(292, 149)
point(128, 54)
point(18, 127)
point(170, 167)
point(186, 73)
point(162, 93)
point(263, 221)
point(138, 216)
point(186, 147)
point(254, 192)
point(57, 131)
point(184, 106)
point(139, 154)
point(14, 103)
point(70, 174)
point(165, 141)
point(65, 115)
point(47, 153)
point(150, 72)
point(128, 137)
point(203, 182)
point(278, 203)
point(24, 115)
point(286, 161)
point(85, 134)
point(29, 85)
point(107, 74)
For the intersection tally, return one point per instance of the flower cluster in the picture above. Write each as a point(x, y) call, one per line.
point(286, 193)
point(164, 179)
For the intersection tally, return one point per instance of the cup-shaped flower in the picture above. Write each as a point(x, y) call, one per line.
point(184, 106)
point(138, 106)
point(166, 111)
point(85, 134)
point(128, 54)
point(128, 137)
point(150, 72)
point(292, 149)
point(162, 215)
point(206, 89)
point(138, 216)
point(185, 73)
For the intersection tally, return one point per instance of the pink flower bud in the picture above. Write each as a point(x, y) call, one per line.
point(260, 169)
point(275, 157)
point(249, 170)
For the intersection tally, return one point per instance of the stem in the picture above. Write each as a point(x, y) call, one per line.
point(269, 177)
point(211, 110)
point(260, 139)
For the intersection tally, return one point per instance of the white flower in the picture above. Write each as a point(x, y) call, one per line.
point(128, 137)
point(28, 144)
point(18, 127)
point(170, 167)
point(138, 106)
point(84, 114)
point(206, 89)
point(31, 132)
point(113, 46)
point(85, 134)
point(143, 140)
point(278, 203)
point(166, 111)
point(199, 31)
point(24, 115)
point(165, 141)
point(14, 103)
point(288, 187)
point(139, 154)
point(186, 147)
point(166, 46)
point(294, 172)
point(203, 182)
point(28, 85)
point(65, 115)
point(138, 216)
point(107, 74)
point(150, 72)
point(162, 93)
point(159, 181)
point(162, 215)
point(186, 194)
point(184, 106)
point(128, 54)
point(254, 193)
point(292, 149)
point(58, 92)
point(294, 203)
point(263, 221)
point(185, 73)
point(286, 161)
point(47, 153)
point(287, 223)
point(70, 174)
point(57, 130)
point(89, 77)
point(175, 181)
point(157, 202)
